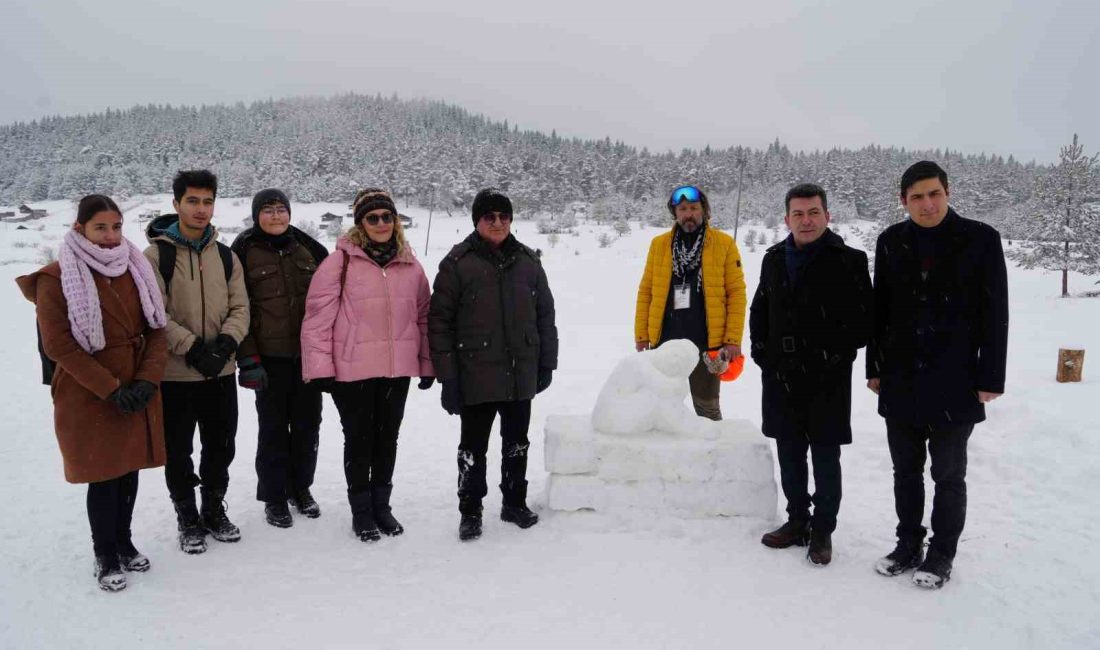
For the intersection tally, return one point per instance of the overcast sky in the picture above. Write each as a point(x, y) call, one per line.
point(1011, 77)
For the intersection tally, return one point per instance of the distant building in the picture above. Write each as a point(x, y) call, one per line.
point(26, 209)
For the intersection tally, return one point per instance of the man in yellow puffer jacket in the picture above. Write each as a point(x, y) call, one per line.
point(693, 288)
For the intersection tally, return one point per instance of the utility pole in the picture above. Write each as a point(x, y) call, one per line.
point(740, 177)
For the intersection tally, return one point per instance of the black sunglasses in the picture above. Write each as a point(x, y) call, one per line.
point(503, 217)
point(372, 219)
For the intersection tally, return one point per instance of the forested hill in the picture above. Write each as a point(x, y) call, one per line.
point(432, 153)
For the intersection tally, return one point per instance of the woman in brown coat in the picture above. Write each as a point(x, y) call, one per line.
point(101, 318)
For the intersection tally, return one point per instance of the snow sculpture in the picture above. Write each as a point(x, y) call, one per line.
point(643, 448)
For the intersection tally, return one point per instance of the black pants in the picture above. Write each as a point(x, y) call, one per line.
point(477, 424)
point(289, 416)
point(371, 411)
point(212, 404)
point(110, 511)
point(947, 446)
point(795, 478)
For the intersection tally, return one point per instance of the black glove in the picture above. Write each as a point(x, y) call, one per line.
point(133, 397)
point(324, 384)
point(451, 397)
point(198, 349)
point(142, 393)
point(425, 383)
point(225, 345)
point(120, 396)
point(546, 375)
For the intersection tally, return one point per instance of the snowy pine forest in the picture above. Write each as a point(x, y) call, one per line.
point(432, 153)
point(435, 155)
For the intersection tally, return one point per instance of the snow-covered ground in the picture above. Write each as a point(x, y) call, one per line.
point(1024, 575)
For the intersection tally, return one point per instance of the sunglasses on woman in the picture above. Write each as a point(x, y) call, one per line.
point(373, 219)
point(688, 193)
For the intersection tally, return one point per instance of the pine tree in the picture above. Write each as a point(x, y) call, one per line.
point(1062, 223)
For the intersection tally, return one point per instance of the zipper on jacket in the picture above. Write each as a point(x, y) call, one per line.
point(202, 293)
point(389, 317)
point(504, 328)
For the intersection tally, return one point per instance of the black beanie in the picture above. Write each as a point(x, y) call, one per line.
point(490, 200)
point(371, 199)
point(265, 198)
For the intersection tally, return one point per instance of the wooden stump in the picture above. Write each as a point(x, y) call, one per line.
point(1070, 364)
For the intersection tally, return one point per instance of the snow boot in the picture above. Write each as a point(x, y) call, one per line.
point(383, 514)
point(793, 533)
point(108, 573)
point(192, 537)
point(934, 572)
point(362, 517)
point(278, 514)
point(905, 556)
point(305, 504)
point(131, 559)
point(519, 515)
point(469, 528)
point(820, 552)
point(214, 518)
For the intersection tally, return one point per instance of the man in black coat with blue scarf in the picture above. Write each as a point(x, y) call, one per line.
point(937, 357)
point(812, 311)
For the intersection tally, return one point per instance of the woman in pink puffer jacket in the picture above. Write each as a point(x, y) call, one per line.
point(365, 334)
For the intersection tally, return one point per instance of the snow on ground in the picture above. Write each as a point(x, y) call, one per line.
point(1024, 576)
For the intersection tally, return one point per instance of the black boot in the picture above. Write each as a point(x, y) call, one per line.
point(383, 515)
point(192, 536)
point(131, 559)
point(934, 572)
point(469, 528)
point(905, 556)
point(515, 508)
point(519, 515)
point(214, 518)
point(362, 517)
point(108, 573)
point(820, 552)
point(278, 514)
point(792, 533)
point(305, 504)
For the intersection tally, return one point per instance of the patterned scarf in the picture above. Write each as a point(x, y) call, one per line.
point(381, 252)
point(78, 258)
point(687, 254)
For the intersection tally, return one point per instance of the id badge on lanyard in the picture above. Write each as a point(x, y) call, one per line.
point(681, 296)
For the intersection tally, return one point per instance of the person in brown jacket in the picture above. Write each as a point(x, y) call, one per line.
point(101, 319)
point(279, 262)
point(202, 283)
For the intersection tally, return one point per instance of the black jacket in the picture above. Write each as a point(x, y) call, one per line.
point(491, 324)
point(805, 336)
point(939, 340)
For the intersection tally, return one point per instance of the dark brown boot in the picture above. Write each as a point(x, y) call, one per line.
point(820, 552)
point(792, 533)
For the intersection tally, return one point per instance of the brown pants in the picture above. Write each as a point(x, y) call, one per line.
point(704, 392)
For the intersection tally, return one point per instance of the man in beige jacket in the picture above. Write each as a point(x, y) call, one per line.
point(202, 283)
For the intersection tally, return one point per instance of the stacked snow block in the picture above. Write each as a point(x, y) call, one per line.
point(726, 469)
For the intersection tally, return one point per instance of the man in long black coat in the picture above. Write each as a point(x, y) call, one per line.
point(810, 314)
point(494, 345)
point(937, 357)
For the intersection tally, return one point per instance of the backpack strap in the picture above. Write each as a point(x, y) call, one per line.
point(343, 278)
point(227, 260)
point(167, 266)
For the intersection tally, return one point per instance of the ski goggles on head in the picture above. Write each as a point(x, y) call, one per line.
point(688, 193)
